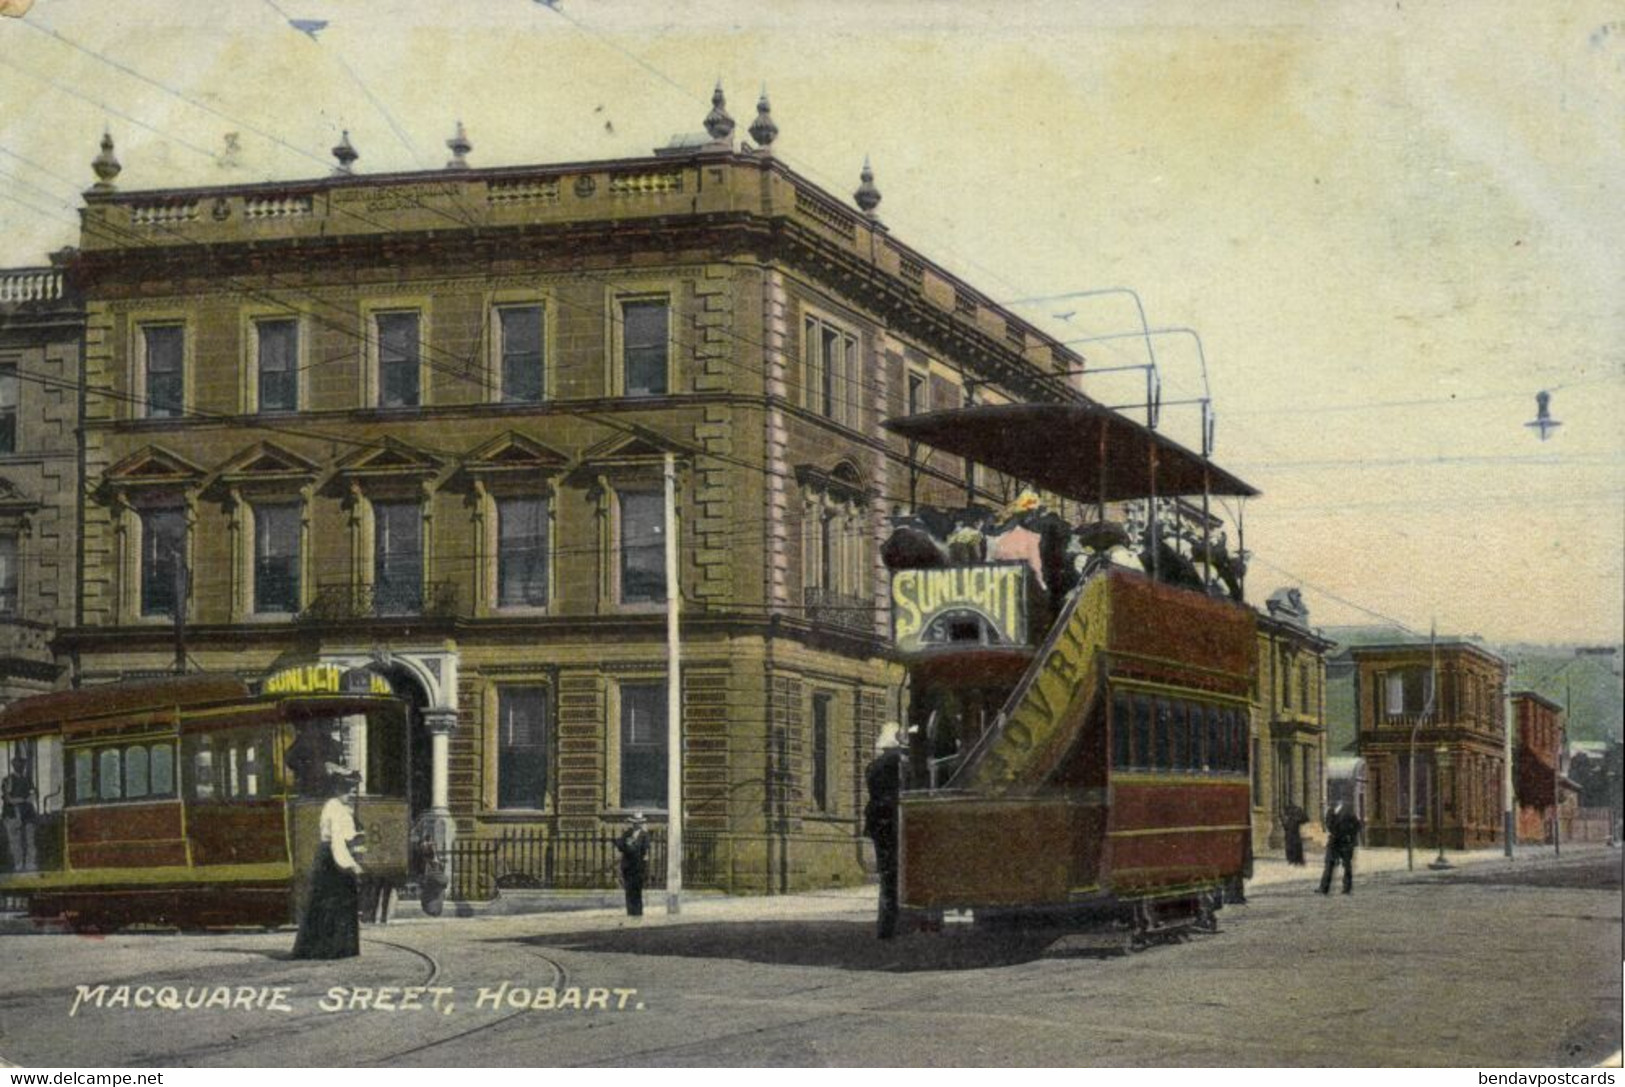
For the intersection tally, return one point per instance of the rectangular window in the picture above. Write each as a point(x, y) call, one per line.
point(830, 371)
point(165, 350)
point(643, 547)
point(163, 558)
point(919, 394)
point(1408, 692)
point(821, 711)
point(8, 575)
point(520, 332)
point(397, 558)
point(1122, 737)
point(1164, 736)
point(1258, 783)
point(276, 559)
point(521, 552)
point(8, 409)
point(643, 745)
point(644, 337)
point(398, 370)
point(1142, 732)
point(278, 350)
point(522, 738)
point(1417, 807)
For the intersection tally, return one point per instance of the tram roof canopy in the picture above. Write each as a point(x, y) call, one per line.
point(1058, 447)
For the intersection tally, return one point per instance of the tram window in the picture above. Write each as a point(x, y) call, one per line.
point(1238, 742)
point(84, 785)
point(1164, 737)
point(135, 772)
point(386, 753)
point(161, 771)
point(1215, 749)
point(1142, 731)
point(1196, 730)
point(1122, 736)
point(1179, 744)
point(107, 771)
point(202, 774)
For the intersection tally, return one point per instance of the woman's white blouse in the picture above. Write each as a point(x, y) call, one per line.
point(338, 827)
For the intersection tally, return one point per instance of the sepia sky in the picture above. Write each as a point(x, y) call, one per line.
point(1392, 223)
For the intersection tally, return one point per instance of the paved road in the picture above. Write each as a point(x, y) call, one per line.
point(1490, 965)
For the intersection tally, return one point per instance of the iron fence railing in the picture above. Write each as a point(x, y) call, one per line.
point(839, 609)
point(534, 859)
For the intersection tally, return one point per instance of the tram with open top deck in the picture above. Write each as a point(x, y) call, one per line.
point(1078, 735)
point(192, 802)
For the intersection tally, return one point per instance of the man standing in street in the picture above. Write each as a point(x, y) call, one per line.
point(885, 782)
point(19, 816)
point(633, 845)
point(1342, 835)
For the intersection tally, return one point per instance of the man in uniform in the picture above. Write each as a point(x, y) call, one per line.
point(1342, 835)
point(633, 845)
point(885, 781)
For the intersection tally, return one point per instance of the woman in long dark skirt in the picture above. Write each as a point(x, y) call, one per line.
point(331, 927)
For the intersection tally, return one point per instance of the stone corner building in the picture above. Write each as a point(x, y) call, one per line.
point(41, 325)
point(417, 422)
point(1288, 756)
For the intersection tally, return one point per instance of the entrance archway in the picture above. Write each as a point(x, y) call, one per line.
point(419, 749)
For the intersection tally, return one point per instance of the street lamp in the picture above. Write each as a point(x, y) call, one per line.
point(1439, 755)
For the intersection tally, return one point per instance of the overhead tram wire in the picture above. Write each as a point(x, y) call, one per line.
point(389, 118)
point(429, 349)
point(463, 221)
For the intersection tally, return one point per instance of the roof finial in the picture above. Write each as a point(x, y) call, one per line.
point(867, 197)
point(717, 122)
point(106, 164)
point(460, 147)
point(763, 130)
point(346, 153)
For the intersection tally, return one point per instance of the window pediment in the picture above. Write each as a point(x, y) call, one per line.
point(629, 449)
point(841, 483)
point(266, 464)
point(513, 452)
point(389, 460)
point(13, 502)
point(152, 469)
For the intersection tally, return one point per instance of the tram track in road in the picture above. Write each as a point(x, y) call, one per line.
point(416, 952)
point(561, 977)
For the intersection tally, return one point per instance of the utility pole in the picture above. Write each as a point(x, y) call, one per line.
point(179, 612)
point(1508, 830)
point(674, 703)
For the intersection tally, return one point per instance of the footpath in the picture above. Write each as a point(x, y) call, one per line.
point(566, 910)
point(1271, 875)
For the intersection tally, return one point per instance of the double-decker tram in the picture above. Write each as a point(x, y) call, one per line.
point(1078, 677)
point(191, 802)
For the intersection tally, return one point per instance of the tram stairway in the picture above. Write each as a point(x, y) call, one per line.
point(1051, 703)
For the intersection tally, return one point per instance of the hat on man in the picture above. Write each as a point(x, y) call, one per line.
point(639, 818)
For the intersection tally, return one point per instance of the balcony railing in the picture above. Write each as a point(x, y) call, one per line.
point(839, 609)
point(339, 603)
point(30, 285)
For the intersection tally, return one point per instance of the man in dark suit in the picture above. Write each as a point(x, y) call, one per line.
point(1342, 835)
point(884, 779)
point(633, 845)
